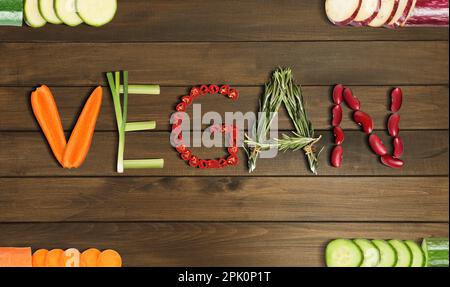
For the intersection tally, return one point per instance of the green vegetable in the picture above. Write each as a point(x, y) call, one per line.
point(142, 89)
point(343, 253)
point(96, 13)
point(388, 256)
point(436, 252)
point(404, 255)
point(418, 257)
point(33, 17)
point(67, 12)
point(11, 12)
point(370, 252)
point(47, 9)
point(123, 126)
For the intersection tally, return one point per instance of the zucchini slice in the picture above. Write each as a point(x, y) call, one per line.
point(343, 253)
point(47, 9)
point(403, 253)
point(97, 12)
point(11, 12)
point(370, 252)
point(418, 258)
point(33, 17)
point(436, 252)
point(67, 12)
point(388, 256)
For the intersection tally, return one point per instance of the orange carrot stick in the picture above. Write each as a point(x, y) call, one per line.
point(53, 258)
point(39, 257)
point(109, 258)
point(89, 258)
point(80, 141)
point(15, 257)
point(70, 258)
point(46, 113)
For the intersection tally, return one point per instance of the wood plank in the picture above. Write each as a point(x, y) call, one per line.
point(215, 20)
point(352, 63)
point(27, 154)
point(210, 244)
point(425, 107)
point(418, 199)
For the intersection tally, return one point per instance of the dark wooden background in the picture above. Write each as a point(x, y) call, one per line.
point(178, 216)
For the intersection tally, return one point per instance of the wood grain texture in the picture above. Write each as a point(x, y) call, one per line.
point(181, 64)
point(418, 199)
point(27, 154)
point(425, 107)
point(210, 244)
point(215, 20)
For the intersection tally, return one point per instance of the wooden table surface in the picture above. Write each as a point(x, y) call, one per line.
point(279, 216)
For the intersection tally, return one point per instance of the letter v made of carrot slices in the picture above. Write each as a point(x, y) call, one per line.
point(80, 141)
point(46, 113)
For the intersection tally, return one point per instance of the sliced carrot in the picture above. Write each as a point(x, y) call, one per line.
point(80, 141)
point(39, 257)
point(53, 258)
point(109, 258)
point(46, 113)
point(70, 258)
point(89, 257)
point(15, 257)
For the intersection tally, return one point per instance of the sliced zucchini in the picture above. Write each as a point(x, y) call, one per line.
point(343, 253)
point(67, 12)
point(403, 253)
point(436, 252)
point(47, 9)
point(370, 252)
point(33, 17)
point(418, 257)
point(388, 256)
point(97, 12)
point(11, 12)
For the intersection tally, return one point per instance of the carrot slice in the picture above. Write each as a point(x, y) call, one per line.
point(15, 257)
point(89, 257)
point(80, 141)
point(39, 257)
point(70, 258)
point(53, 258)
point(46, 113)
point(109, 258)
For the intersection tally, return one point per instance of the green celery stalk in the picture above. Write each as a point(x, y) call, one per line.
point(116, 99)
point(121, 149)
point(140, 126)
point(142, 89)
point(143, 163)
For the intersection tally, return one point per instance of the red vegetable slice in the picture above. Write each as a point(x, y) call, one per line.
point(402, 6)
point(367, 12)
point(398, 147)
point(351, 100)
point(377, 145)
point(392, 162)
point(337, 156)
point(393, 125)
point(342, 12)
point(409, 7)
point(386, 13)
point(396, 99)
point(364, 120)
point(337, 115)
point(338, 94)
point(429, 13)
point(339, 135)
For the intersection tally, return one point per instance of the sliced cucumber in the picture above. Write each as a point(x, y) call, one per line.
point(403, 253)
point(370, 252)
point(11, 12)
point(67, 12)
point(96, 12)
point(47, 9)
point(33, 17)
point(343, 253)
point(436, 252)
point(418, 258)
point(388, 256)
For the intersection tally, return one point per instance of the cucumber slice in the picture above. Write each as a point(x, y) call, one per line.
point(388, 256)
point(436, 252)
point(67, 12)
point(343, 253)
point(97, 12)
point(403, 253)
point(418, 258)
point(370, 252)
point(46, 7)
point(33, 17)
point(11, 12)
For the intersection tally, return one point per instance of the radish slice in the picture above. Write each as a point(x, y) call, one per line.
point(406, 13)
point(342, 12)
point(368, 11)
point(386, 13)
point(402, 5)
point(428, 13)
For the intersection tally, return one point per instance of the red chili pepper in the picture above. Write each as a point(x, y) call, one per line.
point(337, 115)
point(396, 99)
point(398, 147)
point(337, 156)
point(338, 135)
point(364, 120)
point(178, 116)
point(338, 94)
point(393, 125)
point(195, 92)
point(213, 89)
point(181, 148)
point(232, 160)
point(194, 161)
point(377, 145)
point(392, 162)
point(234, 94)
point(204, 89)
point(213, 163)
point(181, 107)
point(186, 155)
point(223, 162)
point(203, 164)
point(187, 100)
point(351, 100)
point(224, 90)
point(233, 150)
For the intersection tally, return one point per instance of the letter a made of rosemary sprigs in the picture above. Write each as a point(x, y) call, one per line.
point(282, 89)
